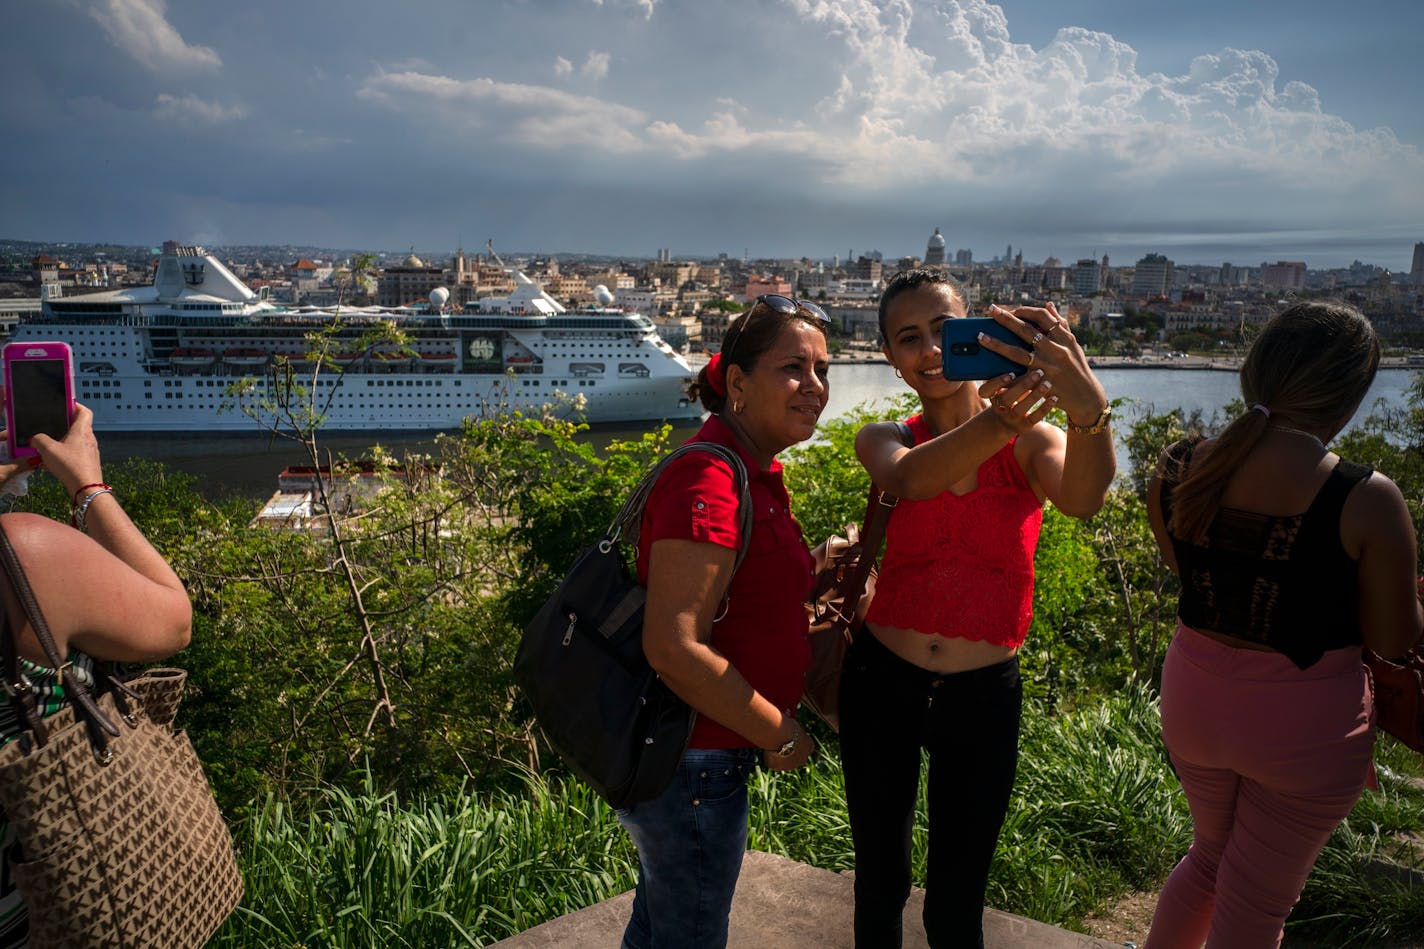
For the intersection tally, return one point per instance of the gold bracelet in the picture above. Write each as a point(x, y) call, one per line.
point(1097, 425)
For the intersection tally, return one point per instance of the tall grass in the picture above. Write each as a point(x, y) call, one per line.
point(1096, 813)
point(1367, 888)
point(453, 870)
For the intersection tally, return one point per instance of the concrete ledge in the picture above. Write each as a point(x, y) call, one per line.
point(782, 904)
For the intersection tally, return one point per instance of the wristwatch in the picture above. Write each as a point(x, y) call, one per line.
point(788, 747)
point(1097, 425)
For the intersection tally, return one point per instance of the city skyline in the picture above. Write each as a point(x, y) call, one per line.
point(778, 128)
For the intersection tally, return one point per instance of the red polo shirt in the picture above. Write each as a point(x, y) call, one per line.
point(763, 634)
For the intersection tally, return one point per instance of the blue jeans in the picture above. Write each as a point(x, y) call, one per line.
point(690, 843)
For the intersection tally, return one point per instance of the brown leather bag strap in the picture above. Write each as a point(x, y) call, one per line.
point(20, 586)
point(16, 685)
point(75, 690)
point(878, 505)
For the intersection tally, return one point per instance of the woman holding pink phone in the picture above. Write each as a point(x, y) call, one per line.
point(105, 592)
point(41, 377)
point(936, 667)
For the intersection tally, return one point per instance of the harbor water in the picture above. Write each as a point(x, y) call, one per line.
point(248, 465)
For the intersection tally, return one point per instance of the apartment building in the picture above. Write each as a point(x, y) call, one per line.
point(1152, 276)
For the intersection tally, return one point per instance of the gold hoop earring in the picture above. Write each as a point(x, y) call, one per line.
point(737, 408)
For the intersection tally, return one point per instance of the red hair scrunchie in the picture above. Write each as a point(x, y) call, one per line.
point(716, 377)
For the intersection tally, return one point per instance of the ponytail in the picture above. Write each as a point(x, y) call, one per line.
point(1197, 499)
point(1311, 364)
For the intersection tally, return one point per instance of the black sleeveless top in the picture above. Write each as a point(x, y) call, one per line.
point(1285, 582)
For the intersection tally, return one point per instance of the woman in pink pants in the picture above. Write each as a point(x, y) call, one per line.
point(1290, 559)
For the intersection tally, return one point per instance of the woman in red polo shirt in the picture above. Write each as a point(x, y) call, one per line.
point(937, 667)
point(738, 654)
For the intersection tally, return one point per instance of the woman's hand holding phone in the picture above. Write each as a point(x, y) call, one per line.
point(74, 459)
point(1052, 348)
point(1020, 402)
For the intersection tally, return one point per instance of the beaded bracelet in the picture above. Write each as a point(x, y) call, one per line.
point(83, 507)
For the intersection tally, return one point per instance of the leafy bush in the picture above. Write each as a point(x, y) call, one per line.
point(352, 697)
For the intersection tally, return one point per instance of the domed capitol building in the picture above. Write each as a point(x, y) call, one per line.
point(934, 252)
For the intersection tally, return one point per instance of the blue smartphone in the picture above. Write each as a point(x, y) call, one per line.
point(965, 359)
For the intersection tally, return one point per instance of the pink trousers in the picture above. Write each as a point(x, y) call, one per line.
point(1272, 758)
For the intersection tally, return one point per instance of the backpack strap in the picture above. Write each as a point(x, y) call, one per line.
point(629, 523)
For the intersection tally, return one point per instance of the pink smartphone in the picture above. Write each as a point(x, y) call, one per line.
point(39, 392)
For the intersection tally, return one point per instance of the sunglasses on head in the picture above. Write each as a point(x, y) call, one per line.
point(778, 303)
point(787, 306)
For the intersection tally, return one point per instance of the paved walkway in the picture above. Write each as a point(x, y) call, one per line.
point(782, 904)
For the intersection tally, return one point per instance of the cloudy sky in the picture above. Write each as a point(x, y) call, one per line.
point(1240, 130)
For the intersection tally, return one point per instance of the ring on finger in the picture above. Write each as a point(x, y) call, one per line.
point(1031, 357)
point(1037, 337)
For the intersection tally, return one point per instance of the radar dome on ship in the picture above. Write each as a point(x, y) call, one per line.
point(439, 296)
point(603, 295)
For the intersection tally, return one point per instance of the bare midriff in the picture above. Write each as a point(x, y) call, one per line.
point(939, 653)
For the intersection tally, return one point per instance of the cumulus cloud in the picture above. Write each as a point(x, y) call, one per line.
point(596, 66)
point(926, 91)
point(141, 29)
point(643, 6)
point(878, 99)
point(190, 109)
point(939, 91)
point(535, 116)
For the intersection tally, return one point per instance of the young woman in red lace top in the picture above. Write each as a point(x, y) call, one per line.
point(936, 667)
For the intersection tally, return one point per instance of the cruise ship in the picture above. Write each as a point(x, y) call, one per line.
point(165, 357)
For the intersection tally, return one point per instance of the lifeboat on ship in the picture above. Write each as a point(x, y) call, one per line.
point(245, 358)
point(436, 361)
point(387, 361)
point(191, 357)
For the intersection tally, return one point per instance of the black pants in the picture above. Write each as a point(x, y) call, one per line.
point(969, 722)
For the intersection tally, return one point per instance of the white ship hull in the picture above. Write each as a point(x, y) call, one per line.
point(167, 358)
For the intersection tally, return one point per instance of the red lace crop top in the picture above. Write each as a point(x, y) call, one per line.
point(962, 565)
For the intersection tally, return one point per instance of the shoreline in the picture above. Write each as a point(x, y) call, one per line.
point(1193, 363)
